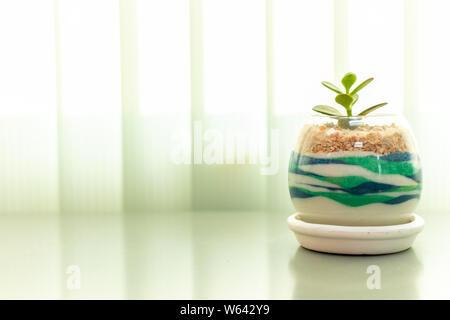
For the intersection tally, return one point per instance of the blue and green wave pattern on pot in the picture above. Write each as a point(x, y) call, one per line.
point(356, 180)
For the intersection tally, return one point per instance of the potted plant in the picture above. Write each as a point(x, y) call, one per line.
point(354, 170)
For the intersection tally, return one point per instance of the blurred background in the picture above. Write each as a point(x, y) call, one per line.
point(95, 95)
point(104, 104)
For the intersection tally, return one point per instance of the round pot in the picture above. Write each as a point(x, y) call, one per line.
point(355, 171)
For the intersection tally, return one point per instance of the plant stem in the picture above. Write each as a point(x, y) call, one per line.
point(349, 111)
point(343, 123)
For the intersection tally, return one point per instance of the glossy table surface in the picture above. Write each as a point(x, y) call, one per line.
point(204, 255)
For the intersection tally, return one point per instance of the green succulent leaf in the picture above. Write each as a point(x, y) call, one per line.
point(347, 99)
point(329, 111)
point(348, 80)
point(361, 85)
point(331, 86)
point(344, 100)
point(369, 110)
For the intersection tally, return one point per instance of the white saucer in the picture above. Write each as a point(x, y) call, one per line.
point(356, 240)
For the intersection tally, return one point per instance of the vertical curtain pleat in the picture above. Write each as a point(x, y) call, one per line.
point(233, 101)
point(156, 105)
point(376, 49)
point(432, 103)
point(28, 145)
point(90, 107)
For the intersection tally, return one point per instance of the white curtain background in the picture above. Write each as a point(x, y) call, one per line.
point(98, 98)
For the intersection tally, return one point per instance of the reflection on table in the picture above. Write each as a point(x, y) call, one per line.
point(203, 255)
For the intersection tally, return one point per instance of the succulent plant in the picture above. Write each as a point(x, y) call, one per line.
point(346, 99)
